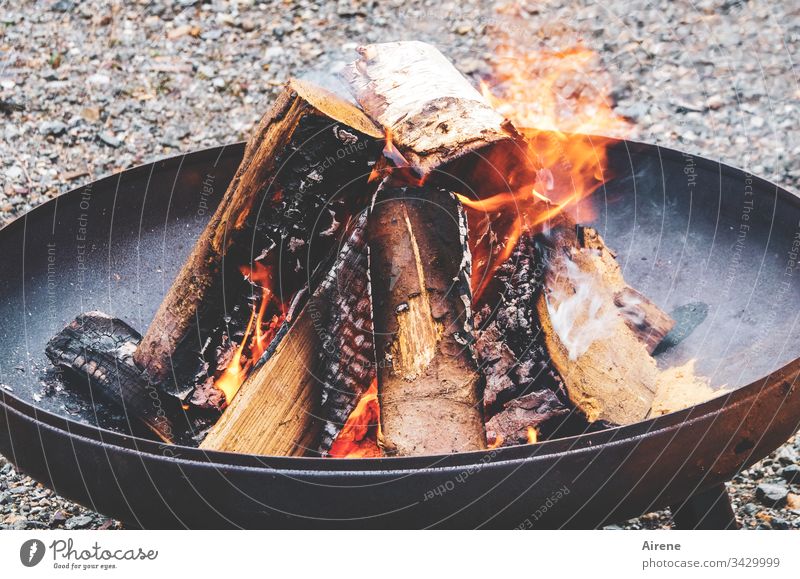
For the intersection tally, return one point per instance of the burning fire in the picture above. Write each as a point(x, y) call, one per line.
point(257, 335)
point(568, 162)
point(360, 434)
point(555, 100)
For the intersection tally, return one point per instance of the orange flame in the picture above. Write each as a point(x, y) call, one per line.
point(569, 165)
point(360, 434)
point(496, 443)
point(394, 163)
point(257, 335)
point(533, 435)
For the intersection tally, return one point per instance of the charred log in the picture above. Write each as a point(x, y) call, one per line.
point(521, 419)
point(99, 348)
point(303, 389)
point(342, 307)
point(510, 342)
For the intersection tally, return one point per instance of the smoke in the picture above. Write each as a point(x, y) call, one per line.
point(582, 317)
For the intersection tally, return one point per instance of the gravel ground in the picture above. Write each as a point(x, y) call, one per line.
point(107, 85)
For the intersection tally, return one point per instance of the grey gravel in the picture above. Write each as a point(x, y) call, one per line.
point(91, 88)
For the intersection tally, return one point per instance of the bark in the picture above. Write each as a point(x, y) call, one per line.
point(284, 196)
point(433, 114)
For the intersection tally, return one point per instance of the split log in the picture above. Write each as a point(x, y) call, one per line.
point(645, 319)
point(432, 113)
point(99, 348)
point(605, 364)
point(292, 166)
point(427, 374)
point(302, 391)
point(276, 409)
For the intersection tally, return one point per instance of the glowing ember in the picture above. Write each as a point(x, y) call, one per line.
point(496, 443)
point(529, 90)
point(257, 335)
point(360, 434)
point(533, 435)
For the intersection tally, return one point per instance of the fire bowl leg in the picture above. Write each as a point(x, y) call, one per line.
point(710, 509)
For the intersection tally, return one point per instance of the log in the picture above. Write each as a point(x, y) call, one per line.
point(644, 318)
point(427, 375)
point(302, 391)
point(99, 348)
point(342, 309)
point(521, 418)
point(275, 412)
point(606, 366)
point(291, 163)
point(440, 125)
point(431, 111)
point(510, 343)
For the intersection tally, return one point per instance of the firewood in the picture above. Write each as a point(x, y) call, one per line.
point(606, 366)
point(432, 112)
point(510, 343)
point(440, 125)
point(342, 308)
point(276, 410)
point(645, 319)
point(420, 271)
point(310, 146)
point(310, 379)
point(99, 348)
point(521, 418)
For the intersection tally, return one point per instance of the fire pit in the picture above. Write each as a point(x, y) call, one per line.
point(675, 220)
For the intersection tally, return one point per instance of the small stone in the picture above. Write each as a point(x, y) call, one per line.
point(109, 139)
point(54, 128)
point(19, 490)
point(793, 502)
point(779, 523)
point(98, 79)
point(14, 172)
point(791, 474)
point(771, 494)
point(4, 497)
point(715, 102)
point(248, 25)
point(91, 114)
point(79, 522)
point(750, 509)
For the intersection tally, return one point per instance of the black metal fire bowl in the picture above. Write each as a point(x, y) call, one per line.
point(698, 237)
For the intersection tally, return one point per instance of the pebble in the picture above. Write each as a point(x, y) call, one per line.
point(771, 494)
point(52, 128)
point(109, 139)
point(791, 474)
point(79, 522)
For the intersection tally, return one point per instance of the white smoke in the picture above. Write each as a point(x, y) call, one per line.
point(582, 317)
